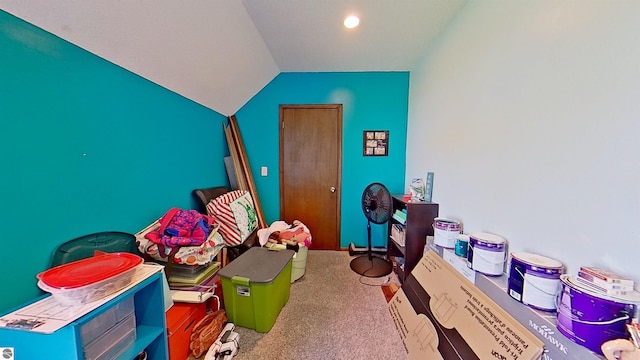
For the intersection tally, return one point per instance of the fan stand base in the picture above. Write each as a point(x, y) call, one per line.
point(374, 267)
point(354, 250)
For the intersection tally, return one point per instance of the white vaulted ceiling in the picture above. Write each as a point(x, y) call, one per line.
point(220, 53)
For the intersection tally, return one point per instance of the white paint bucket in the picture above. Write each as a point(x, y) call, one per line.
point(487, 253)
point(445, 231)
point(299, 263)
point(534, 280)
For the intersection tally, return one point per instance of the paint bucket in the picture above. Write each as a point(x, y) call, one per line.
point(487, 253)
point(462, 243)
point(445, 231)
point(591, 319)
point(534, 280)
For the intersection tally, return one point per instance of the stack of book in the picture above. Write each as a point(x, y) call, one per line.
point(605, 282)
point(397, 234)
point(400, 216)
point(194, 278)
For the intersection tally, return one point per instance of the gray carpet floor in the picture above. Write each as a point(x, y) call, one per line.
point(332, 313)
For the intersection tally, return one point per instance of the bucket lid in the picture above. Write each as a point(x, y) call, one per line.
point(537, 260)
point(632, 297)
point(89, 271)
point(488, 238)
point(446, 221)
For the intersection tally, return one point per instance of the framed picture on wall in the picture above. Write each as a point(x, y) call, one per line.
point(376, 143)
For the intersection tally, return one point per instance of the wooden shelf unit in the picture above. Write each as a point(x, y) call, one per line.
point(418, 226)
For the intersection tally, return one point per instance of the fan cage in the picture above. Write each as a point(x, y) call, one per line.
point(376, 203)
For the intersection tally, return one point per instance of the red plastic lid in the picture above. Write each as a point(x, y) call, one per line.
point(89, 271)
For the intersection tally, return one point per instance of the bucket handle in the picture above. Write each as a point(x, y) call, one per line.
point(534, 285)
point(573, 317)
point(608, 322)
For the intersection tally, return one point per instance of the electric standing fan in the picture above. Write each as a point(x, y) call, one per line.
point(376, 205)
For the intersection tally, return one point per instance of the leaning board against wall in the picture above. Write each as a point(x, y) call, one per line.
point(441, 315)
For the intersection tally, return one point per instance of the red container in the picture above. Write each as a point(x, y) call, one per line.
point(83, 281)
point(181, 318)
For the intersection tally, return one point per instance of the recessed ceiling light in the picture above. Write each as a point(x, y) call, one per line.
point(351, 21)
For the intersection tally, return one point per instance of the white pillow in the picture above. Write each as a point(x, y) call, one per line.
point(220, 209)
point(245, 215)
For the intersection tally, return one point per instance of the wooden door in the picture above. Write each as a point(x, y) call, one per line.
point(310, 168)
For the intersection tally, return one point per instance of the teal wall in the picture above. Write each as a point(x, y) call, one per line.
point(371, 101)
point(87, 146)
point(146, 149)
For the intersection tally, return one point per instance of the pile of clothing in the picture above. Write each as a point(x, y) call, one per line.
point(185, 236)
point(280, 235)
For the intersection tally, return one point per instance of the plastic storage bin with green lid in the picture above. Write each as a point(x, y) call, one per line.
point(256, 286)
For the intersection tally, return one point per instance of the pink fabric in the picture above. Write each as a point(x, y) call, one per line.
point(181, 228)
point(297, 232)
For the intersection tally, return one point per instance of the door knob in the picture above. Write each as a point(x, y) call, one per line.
point(332, 189)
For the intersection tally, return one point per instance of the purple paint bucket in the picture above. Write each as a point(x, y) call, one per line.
point(487, 253)
point(534, 280)
point(445, 231)
point(591, 319)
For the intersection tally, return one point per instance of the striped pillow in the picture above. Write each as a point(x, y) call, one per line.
point(234, 227)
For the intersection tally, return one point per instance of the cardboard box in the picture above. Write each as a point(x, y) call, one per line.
point(439, 314)
point(541, 323)
point(460, 264)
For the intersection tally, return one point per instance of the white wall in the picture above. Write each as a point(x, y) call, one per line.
point(528, 112)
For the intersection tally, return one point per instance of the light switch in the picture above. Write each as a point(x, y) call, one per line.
point(263, 171)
